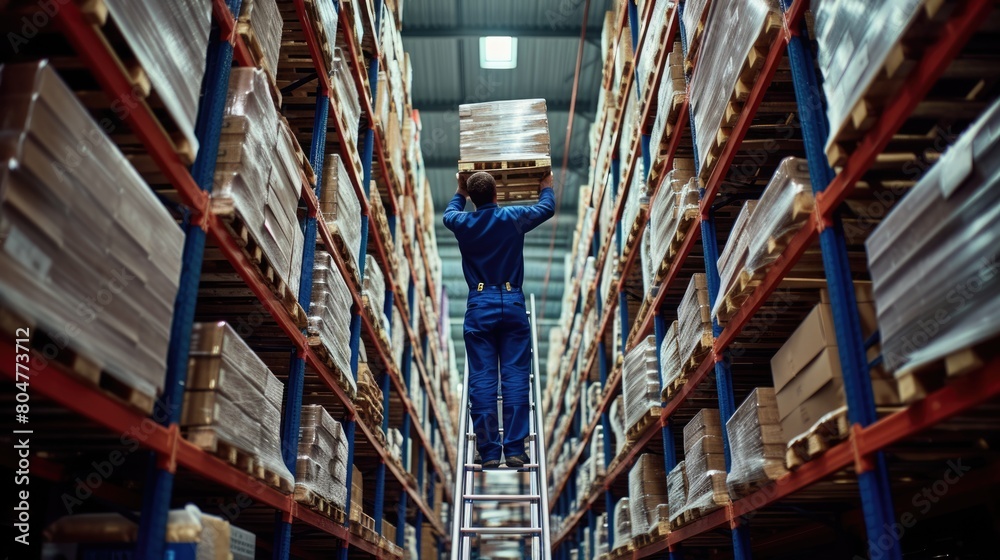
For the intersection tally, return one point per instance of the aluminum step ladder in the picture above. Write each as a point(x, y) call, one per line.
point(537, 498)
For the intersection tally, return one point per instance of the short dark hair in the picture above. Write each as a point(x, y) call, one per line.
point(482, 188)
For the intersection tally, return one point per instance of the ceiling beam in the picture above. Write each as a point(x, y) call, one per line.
point(457, 32)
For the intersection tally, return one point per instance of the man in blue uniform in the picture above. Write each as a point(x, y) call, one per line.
point(497, 333)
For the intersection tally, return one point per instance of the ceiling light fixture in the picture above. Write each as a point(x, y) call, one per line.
point(498, 53)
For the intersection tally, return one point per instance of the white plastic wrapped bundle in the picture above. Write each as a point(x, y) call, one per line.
point(856, 40)
point(653, 38)
point(705, 462)
point(623, 524)
point(638, 197)
point(324, 18)
point(398, 335)
point(601, 535)
point(695, 12)
point(756, 443)
point(630, 126)
point(733, 258)
point(597, 453)
point(935, 255)
point(169, 39)
point(76, 229)
point(640, 381)
point(340, 206)
point(374, 285)
point(678, 195)
point(730, 34)
point(617, 419)
point(648, 272)
point(677, 490)
point(694, 320)
point(268, 423)
point(330, 312)
point(647, 493)
point(411, 542)
point(670, 93)
point(609, 278)
point(322, 457)
point(503, 131)
point(670, 359)
point(585, 475)
point(347, 94)
point(786, 203)
point(265, 22)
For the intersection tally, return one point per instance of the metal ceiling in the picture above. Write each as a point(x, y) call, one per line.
point(442, 37)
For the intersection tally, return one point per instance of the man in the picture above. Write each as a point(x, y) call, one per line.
point(491, 240)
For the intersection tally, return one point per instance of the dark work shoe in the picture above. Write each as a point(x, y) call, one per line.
point(517, 461)
point(491, 464)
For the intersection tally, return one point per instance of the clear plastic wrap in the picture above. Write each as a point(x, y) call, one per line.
point(601, 535)
point(756, 443)
point(646, 262)
point(855, 40)
point(730, 33)
point(340, 206)
point(933, 259)
point(503, 131)
point(265, 22)
point(694, 320)
point(347, 98)
point(330, 312)
point(677, 490)
point(169, 40)
point(670, 359)
point(640, 381)
point(653, 39)
point(617, 418)
point(322, 456)
point(695, 12)
point(677, 196)
point(704, 462)
point(623, 524)
point(597, 453)
point(374, 286)
point(734, 256)
point(786, 203)
point(88, 251)
point(324, 19)
point(647, 493)
point(638, 198)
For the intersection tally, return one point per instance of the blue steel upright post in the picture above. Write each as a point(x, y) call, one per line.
point(160, 481)
point(876, 498)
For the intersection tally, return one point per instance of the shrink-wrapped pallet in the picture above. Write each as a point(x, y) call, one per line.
point(694, 321)
point(676, 200)
point(330, 312)
point(263, 22)
point(647, 493)
point(676, 490)
point(637, 199)
point(648, 271)
point(346, 97)
point(694, 16)
point(728, 40)
point(653, 41)
point(169, 41)
point(756, 443)
point(933, 259)
point(495, 131)
point(617, 419)
point(704, 463)
point(321, 467)
point(601, 536)
point(79, 228)
point(374, 286)
point(324, 18)
point(670, 360)
point(640, 381)
point(787, 202)
point(669, 95)
point(340, 206)
point(597, 452)
point(734, 256)
point(233, 399)
point(623, 524)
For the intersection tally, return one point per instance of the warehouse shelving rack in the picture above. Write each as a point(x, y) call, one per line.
point(169, 451)
point(869, 436)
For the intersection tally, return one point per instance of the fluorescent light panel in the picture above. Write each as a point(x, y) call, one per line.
point(498, 53)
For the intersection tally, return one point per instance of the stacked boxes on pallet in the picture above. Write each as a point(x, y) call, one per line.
point(601, 535)
point(694, 322)
point(647, 494)
point(321, 467)
point(340, 206)
point(670, 93)
point(263, 24)
point(514, 132)
point(704, 463)
point(617, 419)
point(756, 443)
point(330, 314)
point(257, 177)
point(324, 19)
point(374, 290)
point(640, 381)
point(233, 399)
point(670, 361)
point(64, 176)
point(676, 199)
point(733, 259)
point(623, 524)
point(348, 104)
point(369, 392)
point(652, 42)
point(940, 244)
point(677, 491)
point(718, 86)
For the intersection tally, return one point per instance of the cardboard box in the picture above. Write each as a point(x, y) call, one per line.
point(813, 392)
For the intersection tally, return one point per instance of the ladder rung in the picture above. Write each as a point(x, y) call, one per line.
point(528, 498)
point(527, 531)
point(479, 468)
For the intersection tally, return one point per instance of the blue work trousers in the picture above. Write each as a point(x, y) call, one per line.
point(497, 335)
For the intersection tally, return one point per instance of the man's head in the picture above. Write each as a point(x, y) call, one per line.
point(482, 188)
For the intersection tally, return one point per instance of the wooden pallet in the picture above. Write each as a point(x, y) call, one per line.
point(143, 95)
point(692, 514)
point(274, 479)
point(740, 291)
point(516, 180)
point(623, 551)
point(340, 246)
point(828, 432)
point(704, 345)
point(684, 222)
point(649, 417)
point(209, 440)
point(76, 363)
point(893, 70)
point(317, 503)
point(631, 240)
point(249, 36)
point(916, 382)
point(246, 240)
point(661, 153)
point(746, 78)
point(340, 377)
point(657, 533)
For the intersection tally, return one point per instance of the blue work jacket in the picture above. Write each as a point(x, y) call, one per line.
point(492, 238)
